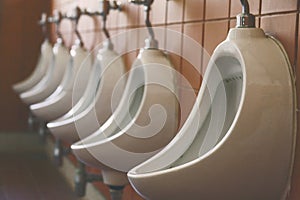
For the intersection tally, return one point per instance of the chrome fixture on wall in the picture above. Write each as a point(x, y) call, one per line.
point(106, 6)
point(151, 42)
point(82, 177)
point(75, 17)
point(56, 19)
point(245, 19)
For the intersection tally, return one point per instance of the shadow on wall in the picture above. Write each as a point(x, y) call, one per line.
point(20, 40)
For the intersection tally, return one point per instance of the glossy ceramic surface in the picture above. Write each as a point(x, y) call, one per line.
point(250, 155)
point(70, 89)
point(39, 71)
point(49, 83)
point(129, 138)
point(94, 108)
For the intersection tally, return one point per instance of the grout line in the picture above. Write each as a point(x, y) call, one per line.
point(259, 13)
point(278, 13)
point(182, 32)
point(187, 22)
point(166, 12)
point(166, 21)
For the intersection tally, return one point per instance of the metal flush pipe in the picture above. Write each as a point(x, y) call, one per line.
point(245, 19)
point(106, 6)
point(151, 42)
point(75, 16)
point(56, 19)
point(245, 6)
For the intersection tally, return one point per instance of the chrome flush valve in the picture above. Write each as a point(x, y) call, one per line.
point(245, 19)
point(151, 42)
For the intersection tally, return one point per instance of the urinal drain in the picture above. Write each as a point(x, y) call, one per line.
point(234, 78)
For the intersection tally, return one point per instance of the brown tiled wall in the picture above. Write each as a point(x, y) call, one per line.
point(207, 22)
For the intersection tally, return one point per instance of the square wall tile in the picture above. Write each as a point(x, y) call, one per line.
point(120, 40)
point(236, 7)
point(112, 19)
point(216, 9)
point(186, 103)
point(86, 23)
point(90, 39)
point(89, 4)
point(176, 62)
point(283, 28)
point(192, 52)
point(269, 6)
point(174, 39)
point(129, 58)
point(194, 10)
point(68, 7)
point(60, 3)
point(175, 11)
point(215, 33)
point(191, 75)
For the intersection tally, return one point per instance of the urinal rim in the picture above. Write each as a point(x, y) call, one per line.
point(81, 145)
point(50, 102)
point(293, 79)
point(220, 51)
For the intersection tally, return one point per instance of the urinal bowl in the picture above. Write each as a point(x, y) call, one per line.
point(125, 140)
point(94, 108)
point(252, 155)
point(39, 71)
point(71, 88)
point(52, 78)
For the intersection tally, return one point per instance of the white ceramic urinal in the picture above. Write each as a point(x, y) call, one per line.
point(39, 71)
point(48, 84)
point(143, 123)
point(94, 108)
point(76, 76)
point(238, 141)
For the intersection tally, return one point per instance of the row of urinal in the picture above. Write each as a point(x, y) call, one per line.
point(237, 143)
point(78, 103)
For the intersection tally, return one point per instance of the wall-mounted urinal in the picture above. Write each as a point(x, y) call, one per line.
point(61, 100)
point(131, 134)
point(53, 77)
point(54, 74)
point(43, 63)
point(94, 108)
point(238, 141)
